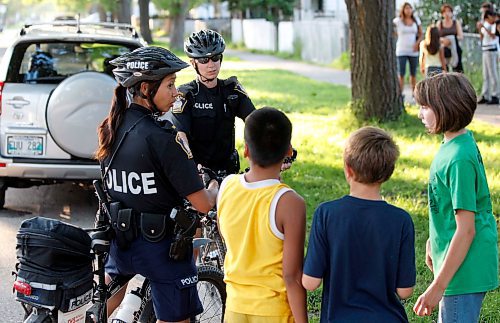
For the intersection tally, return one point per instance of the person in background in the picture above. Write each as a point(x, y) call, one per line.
point(431, 57)
point(409, 34)
point(450, 31)
point(489, 46)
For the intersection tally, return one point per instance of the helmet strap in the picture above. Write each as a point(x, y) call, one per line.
point(151, 95)
point(202, 77)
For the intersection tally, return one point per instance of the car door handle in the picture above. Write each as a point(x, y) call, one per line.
point(18, 102)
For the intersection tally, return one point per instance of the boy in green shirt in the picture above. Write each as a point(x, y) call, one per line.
point(462, 246)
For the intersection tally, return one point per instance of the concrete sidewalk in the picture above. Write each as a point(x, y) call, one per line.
point(486, 113)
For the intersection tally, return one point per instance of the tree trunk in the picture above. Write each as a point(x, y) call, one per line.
point(97, 7)
point(178, 19)
point(124, 12)
point(375, 87)
point(144, 17)
point(217, 11)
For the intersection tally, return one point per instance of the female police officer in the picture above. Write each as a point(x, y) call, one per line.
point(152, 169)
point(209, 105)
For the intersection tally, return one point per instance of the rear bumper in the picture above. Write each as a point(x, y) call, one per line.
point(49, 170)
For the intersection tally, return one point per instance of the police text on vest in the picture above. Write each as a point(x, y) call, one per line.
point(132, 182)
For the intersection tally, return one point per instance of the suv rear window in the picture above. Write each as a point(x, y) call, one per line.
point(53, 62)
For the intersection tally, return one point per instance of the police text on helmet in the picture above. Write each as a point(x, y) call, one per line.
point(138, 65)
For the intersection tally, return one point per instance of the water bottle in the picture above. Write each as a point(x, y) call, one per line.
point(129, 307)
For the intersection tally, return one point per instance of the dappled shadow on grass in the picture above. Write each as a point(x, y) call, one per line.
point(320, 183)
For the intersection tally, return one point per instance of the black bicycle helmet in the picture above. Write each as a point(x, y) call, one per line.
point(145, 64)
point(205, 43)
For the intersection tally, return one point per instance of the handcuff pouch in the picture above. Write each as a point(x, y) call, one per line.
point(153, 226)
point(124, 225)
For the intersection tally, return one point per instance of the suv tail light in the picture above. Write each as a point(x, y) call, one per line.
point(1, 89)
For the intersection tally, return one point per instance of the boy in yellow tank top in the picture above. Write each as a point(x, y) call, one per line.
point(262, 222)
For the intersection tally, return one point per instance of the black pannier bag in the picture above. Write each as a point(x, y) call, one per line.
point(55, 259)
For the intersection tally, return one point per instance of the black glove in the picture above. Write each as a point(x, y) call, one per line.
point(207, 175)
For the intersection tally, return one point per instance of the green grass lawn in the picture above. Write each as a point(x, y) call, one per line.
point(321, 124)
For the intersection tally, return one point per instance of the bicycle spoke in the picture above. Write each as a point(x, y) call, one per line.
point(212, 303)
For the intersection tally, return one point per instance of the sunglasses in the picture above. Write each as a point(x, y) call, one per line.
point(204, 60)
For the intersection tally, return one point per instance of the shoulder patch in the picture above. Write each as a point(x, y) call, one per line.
point(184, 146)
point(179, 104)
point(239, 88)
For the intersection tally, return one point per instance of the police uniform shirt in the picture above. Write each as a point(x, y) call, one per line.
point(207, 116)
point(153, 169)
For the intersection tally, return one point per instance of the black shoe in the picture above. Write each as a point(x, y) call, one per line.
point(494, 100)
point(483, 100)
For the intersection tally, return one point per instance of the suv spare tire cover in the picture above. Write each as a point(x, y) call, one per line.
point(76, 108)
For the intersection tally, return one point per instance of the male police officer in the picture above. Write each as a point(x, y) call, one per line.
point(208, 106)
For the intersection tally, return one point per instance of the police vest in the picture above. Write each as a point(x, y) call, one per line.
point(153, 169)
point(212, 115)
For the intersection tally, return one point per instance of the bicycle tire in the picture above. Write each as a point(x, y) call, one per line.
point(212, 293)
point(211, 283)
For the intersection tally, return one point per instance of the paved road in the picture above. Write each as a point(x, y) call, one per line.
point(251, 61)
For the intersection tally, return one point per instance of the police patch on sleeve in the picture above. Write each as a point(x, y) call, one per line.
point(238, 87)
point(184, 146)
point(179, 104)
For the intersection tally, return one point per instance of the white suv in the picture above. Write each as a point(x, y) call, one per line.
point(56, 86)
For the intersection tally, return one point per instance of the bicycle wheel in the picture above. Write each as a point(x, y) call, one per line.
point(212, 294)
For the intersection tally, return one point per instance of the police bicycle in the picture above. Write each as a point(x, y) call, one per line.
point(55, 274)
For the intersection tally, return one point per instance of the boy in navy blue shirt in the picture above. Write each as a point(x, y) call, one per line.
point(361, 246)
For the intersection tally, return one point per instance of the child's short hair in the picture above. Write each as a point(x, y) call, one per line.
point(452, 98)
point(371, 153)
point(268, 133)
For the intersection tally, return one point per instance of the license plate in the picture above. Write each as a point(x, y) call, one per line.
point(25, 145)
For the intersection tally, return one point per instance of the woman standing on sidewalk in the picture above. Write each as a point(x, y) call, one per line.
point(450, 31)
point(409, 34)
